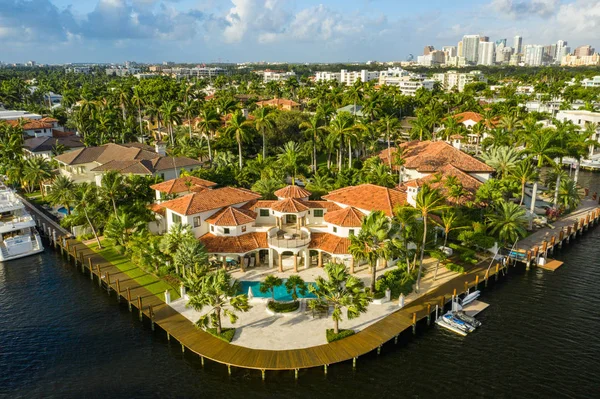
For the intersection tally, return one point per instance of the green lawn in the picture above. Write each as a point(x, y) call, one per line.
point(152, 283)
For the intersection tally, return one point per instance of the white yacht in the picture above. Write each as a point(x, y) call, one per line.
point(18, 235)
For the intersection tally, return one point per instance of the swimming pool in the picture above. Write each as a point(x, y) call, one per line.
point(63, 210)
point(281, 293)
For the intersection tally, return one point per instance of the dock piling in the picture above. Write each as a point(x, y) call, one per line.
point(129, 298)
point(263, 374)
point(118, 288)
point(325, 369)
point(229, 371)
point(82, 262)
point(151, 313)
point(91, 268)
point(108, 282)
point(428, 314)
point(139, 301)
point(99, 276)
point(182, 348)
point(437, 308)
point(466, 288)
point(296, 374)
point(379, 350)
point(202, 361)
point(354, 363)
point(476, 282)
point(414, 323)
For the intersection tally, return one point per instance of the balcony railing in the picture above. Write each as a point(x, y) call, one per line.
point(289, 238)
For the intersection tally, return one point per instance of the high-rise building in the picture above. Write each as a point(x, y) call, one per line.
point(561, 50)
point(471, 48)
point(486, 55)
point(501, 42)
point(450, 51)
point(518, 44)
point(427, 50)
point(584, 51)
point(502, 52)
point(484, 38)
point(534, 54)
point(459, 49)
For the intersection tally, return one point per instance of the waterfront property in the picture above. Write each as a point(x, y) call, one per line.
point(90, 163)
point(235, 225)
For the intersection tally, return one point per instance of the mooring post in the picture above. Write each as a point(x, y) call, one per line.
point(487, 273)
point(82, 262)
point(414, 323)
point(169, 340)
point(182, 348)
point(325, 369)
point(201, 358)
point(296, 374)
point(54, 238)
point(139, 301)
point(118, 288)
point(354, 360)
point(151, 313)
point(91, 268)
point(229, 370)
point(476, 282)
point(437, 308)
point(263, 374)
point(379, 350)
point(428, 314)
point(466, 288)
point(129, 298)
point(108, 282)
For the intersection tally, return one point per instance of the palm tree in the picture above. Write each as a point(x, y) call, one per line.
point(138, 100)
point(313, 128)
point(373, 242)
point(220, 293)
point(190, 255)
point(579, 145)
point(119, 229)
point(36, 170)
point(171, 116)
point(450, 222)
point(177, 234)
point(294, 285)
point(540, 146)
point(263, 121)
point(266, 187)
point(390, 123)
point(523, 172)
point(238, 127)
point(503, 159)
point(569, 194)
point(291, 159)
point(507, 222)
point(341, 291)
point(112, 187)
point(61, 192)
point(86, 200)
point(209, 122)
point(428, 201)
point(269, 284)
point(355, 95)
point(405, 217)
point(189, 109)
point(339, 128)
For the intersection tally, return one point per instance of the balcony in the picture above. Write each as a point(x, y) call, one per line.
point(288, 238)
point(16, 223)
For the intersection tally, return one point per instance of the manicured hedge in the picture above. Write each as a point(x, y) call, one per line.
point(453, 267)
point(283, 307)
point(398, 280)
point(331, 336)
point(226, 333)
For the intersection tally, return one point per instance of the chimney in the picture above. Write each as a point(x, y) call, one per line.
point(456, 143)
point(245, 112)
point(161, 148)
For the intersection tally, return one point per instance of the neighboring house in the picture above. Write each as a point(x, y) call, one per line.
point(354, 110)
point(46, 146)
point(424, 158)
point(180, 187)
point(36, 127)
point(89, 164)
point(235, 223)
point(279, 103)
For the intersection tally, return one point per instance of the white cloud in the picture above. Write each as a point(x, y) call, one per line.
point(521, 9)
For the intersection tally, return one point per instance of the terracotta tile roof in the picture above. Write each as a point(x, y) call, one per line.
point(473, 116)
point(49, 119)
point(277, 102)
point(469, 183)
point(43, 144)
point(345, 217)
point(292, 191)
point(157, 208)
point(255, 204)
point(30, 124)
point(183, 184)
point(289, 205)
point(327, 205)
point(231, 216)
point(329, 243)
point(369, 197)
point(234, 244)
point(207, 200)
point(431, 156)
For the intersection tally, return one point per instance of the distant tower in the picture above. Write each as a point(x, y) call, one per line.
point(518, 44)
point(427, 50)
point(471, 48)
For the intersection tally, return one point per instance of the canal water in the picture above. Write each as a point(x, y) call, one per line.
point(63, 337)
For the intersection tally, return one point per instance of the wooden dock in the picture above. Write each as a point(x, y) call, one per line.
point(551, 265)
point(206, 346)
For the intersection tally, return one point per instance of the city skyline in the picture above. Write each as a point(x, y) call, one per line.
point(63, 31)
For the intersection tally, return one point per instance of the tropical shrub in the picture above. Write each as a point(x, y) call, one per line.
point(398, 280)
point(453, 267)
point(332, 336)
point(226, 333)
point(283, 307)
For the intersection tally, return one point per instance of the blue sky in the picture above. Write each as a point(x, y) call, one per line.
point(60, 31)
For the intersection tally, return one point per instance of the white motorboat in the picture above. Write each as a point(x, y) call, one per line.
point(18, 235)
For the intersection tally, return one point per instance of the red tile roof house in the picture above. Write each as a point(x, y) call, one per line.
point(36, 127)
point(89, 164)
point(292, 231)
point(427, 158)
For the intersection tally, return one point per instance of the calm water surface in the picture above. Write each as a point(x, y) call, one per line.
point(63, 337)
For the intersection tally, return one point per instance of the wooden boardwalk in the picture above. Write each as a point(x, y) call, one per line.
point(207, 346)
